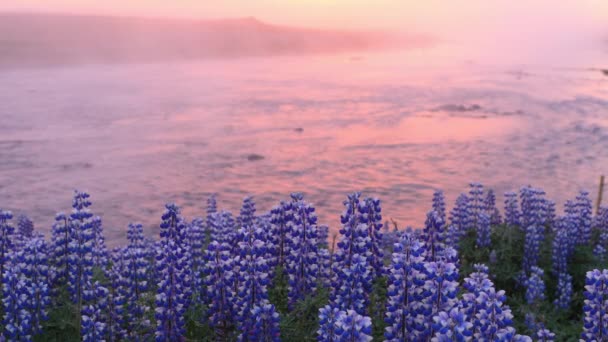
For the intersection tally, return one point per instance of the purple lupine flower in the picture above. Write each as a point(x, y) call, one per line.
point(281, 220)
point(405, 281)
point(266, 324)
point(440, 290)
point(434, 235)
point(35, 270)
point(563, 246)
point(583, 207)
point(328, 319)
point(25, 230)
point(16, 321)
point(6, 237)
point(535, 285)
point(352, 271)
point(483, 231)
point(222, 227)
point(352, 326)
point(508, 334)
point(100, 252)
point(492, 316)
point(476, 283)
point(512, 214)
point(114, 316)
point(301, 263)
point(534, 238)
point(135, 274)
point(80, 257)
point(92, 327)
point(195, 237)
point(253, 270)
point(490, 207)
point(476, 204)
point(371, 215)
point(60, 242)
point(459, 218)
point(219, 280)
point(439, 204)
point(595, 322)
point(545, 335)
point(211, 208)
point(533, 207)
point(563, 291)
point(451, 326)
point(173, 269)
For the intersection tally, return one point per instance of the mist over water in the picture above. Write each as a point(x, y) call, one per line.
point(395, 125)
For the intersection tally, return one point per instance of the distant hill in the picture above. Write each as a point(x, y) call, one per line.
point(55, 39)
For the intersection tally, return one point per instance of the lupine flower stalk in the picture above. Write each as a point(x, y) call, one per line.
point(93, 328)
point(266, 325)
point(434, 235)
point(16, 320)
point(490, 207)
point(535, 285)
point(60, 248)
point(583, 206)
point(6, 237)
point(219, 280)
point(36, 272)
point(595, 320)
point(80, 257)
point(512, 214)
point(371, 215)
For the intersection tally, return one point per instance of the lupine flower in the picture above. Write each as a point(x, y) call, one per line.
point(281, 220)
point(92, 327)
point(35, 269)
point(439, 204)
point(508, 334)
point(492, 316)
point(459, 218)
point(328, 319)
point(25, 230)
point(371, 215)
point(17, 318)
point(563, 291)
point(483, 231)
point(583, 206)
point(219, 280)
point(173, 270)
point(135, 274)
point(595, 322)
point(100, 252)
point(211, 208)
point(476, 283)
point(302, 261)
point(533, 240)
point(512, 214)
point(252, 277)
point(490, 207)
point(405, 281)
point(114, 316)
point(440, 290)
point(195, 237)
point(6, 237)
point(264, 233)
point(433, 235)
point(550, 212)
point(222, 227)
point(354, 327)
point(545, 335)
point(535, 286)
point(452, 326)
point(351, 268)
point(80, 257)
point(476, 204)
point(266, 325)
point(563, 245)
point(60, 241)
point(533, 207)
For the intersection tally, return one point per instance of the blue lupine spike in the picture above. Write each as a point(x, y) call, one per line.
point(35, 269)
point(459, 218)
point(595, 324)
point(535, 286)
point(545, 335)
point(492, 316)
point(115, 317)
point(173, 269)
point(440, 290)
point(434, 235)
point(93, 328)
point(16, 321)
point(281, 220)
point(353, 327)
point(211, 208)
point(266, 325)
point(25, 230)
point(81, 244)
point(490, 208)
point(563, 291)
point(405, 281)
point(371, 215)
point(219, 280)
point(563, 246)
point(302, 262)
point(583, 207)
point(134, 275)
point(100, 252)
point(452, 325)
point(483, 231)
point(476, 205)
point(222, 227)
point(439, 204)
point(60, 248)
point(328, 319)
point(196, 240)
point(352, 272)
point(512, 213)
point(6, 237)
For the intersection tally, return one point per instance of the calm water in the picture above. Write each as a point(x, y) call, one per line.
point(396, 127)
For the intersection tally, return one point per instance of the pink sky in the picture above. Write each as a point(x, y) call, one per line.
point(546, 27)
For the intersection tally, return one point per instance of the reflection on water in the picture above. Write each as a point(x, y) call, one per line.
point(390, 126)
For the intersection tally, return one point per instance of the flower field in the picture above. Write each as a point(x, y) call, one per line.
point(473, 273)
